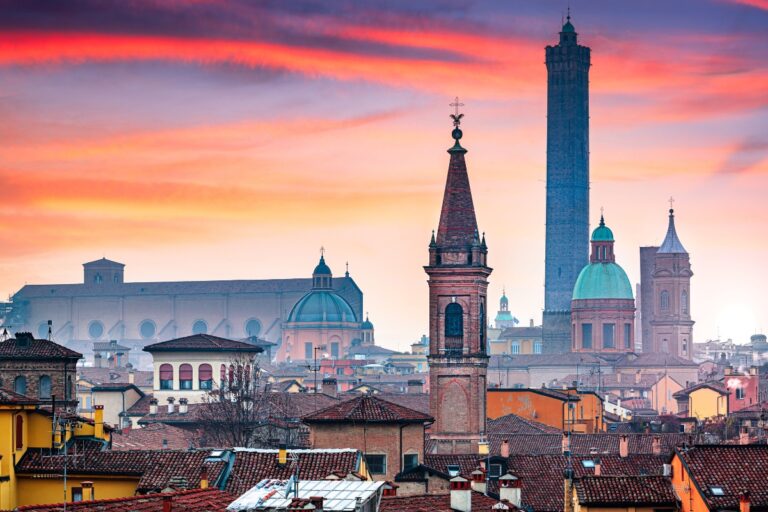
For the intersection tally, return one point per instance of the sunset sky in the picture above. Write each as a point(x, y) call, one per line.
point(211, 139)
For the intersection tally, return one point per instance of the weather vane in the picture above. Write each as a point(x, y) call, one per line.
point(456, 117)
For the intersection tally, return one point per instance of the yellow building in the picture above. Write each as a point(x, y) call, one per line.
point(25, 426)
point(661, 395)
point(703, 401)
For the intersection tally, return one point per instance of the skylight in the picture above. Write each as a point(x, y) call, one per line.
point(588, 463)
point(453, 470)
point(717, 491)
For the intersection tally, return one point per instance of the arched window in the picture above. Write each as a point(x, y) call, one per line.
point(515, 348)
point(454, 321)
point(44, 387)
point(97, 279)
point(200, 327)
point(166, 376)
point(185, 376)
point(20, 385)
point(664, 300)
point(205, 376)
point(19, 432)
point(684, 302)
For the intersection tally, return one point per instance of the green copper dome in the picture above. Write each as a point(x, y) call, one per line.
point(568, 27)
point(602, 281)
point(602, 233)
point(322, 306)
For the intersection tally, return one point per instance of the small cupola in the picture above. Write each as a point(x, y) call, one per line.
point(602, 244)
point(322, 278)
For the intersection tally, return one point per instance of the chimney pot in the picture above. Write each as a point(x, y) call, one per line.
point(461, 494)
point(330, 387)
point(598, 466)
point(317, 502)
point(505, 448)
point(415, 386)
point(171, 407)
point(153, 406)
point(623, 446)
point(510, 489)
point(656, 446)
point(167, 503)
point(745, 502)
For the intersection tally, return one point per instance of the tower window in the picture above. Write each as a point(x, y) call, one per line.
point(454, 321)
point(627, 335)
point(684, 302)
point(664, 300)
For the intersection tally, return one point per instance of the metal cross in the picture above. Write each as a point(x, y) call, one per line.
point(322, 251)
point(671, 202)
point(457, 105)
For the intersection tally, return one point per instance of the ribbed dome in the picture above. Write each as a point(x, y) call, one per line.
point(322, 306)
point(322, 268)
point(602, 281)
point(367, 325)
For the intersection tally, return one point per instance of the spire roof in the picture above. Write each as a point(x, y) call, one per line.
point(671, 243)
point(458, 224)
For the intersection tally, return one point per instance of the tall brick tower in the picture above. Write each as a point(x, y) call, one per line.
point(458, 282)
point(567, 245)
point(671, 326)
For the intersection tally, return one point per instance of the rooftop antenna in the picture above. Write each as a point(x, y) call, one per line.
point(50, 330)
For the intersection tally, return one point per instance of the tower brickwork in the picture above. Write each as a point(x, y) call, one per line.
point(458, 281)
point(567, 215)
point(671, 324)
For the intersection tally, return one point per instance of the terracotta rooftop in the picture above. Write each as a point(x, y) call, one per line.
point(142, 378)
point(585, 444)
point(25, 346)
point(653, 359)
point(8, 397)
point(202, 343)
point(713, 385)
point(253, 466)
point(538, 360)
point(732, 468)
point(193, 500)
point(557, 394)
point(514, 424)
point(157, 436)
point(368, 408)
point(625, 491)
point(433, 503)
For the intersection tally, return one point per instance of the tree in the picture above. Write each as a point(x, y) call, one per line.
point(243, 411)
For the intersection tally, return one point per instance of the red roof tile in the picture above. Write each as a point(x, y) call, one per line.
point(202, 343)
point(156, 436)
point(714, 385)
point(193, 500)
point(585, 444)
point(433, 503)
point(733, 468)
point(25, 346)
point(368, 408)
point(625, 491)
point(513, 424)
point(253, 466)
point(8, 397)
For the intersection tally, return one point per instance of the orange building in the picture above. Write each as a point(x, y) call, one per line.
point(567, 409)
point(720, 477)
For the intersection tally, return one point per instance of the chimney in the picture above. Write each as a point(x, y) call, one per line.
point(87, 487)
point(167, 503)
point(510, 490)
point(598, 466)
point(317, 501)
point(390, 488)
point(744, 502)
point(656, 445)
point(505, 448)
point(623, 446)
point(415, 386)
point(98, 421)
point(638, 376)
point(282, 455)
point(753, 370)
point(171, 407)
point(566, 443)
point(618, 377)
point(744, 435)
point(531, 323)
point(478, 480)
point(461, 494)
point(131, 376)
point(728, 370)
point(330, 387)
point(153, 406)
point(204, 477)
point(183, 407)
point(97, 360)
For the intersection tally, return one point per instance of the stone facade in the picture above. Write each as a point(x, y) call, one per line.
point(458, 282)
point(669, 290)
point(567, 216)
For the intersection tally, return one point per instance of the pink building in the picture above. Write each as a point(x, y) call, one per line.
point(321, 324)
point(742, 388)
point(603, 307)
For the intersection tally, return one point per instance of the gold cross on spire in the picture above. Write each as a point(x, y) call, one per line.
point(322, 251)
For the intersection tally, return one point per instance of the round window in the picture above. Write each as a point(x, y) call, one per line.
point(252, 327)
point(147, 329)
point(200, 327)
point(95, 329)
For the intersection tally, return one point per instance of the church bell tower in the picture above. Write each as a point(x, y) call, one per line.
point(458, 283)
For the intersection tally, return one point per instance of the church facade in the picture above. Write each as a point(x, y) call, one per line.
point(104, 307)
point(458, 282)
